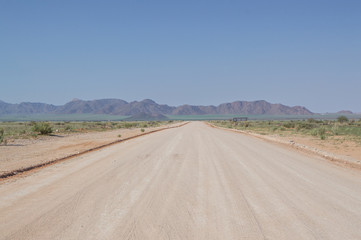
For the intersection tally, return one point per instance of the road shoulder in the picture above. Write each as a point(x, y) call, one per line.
point(338, 159)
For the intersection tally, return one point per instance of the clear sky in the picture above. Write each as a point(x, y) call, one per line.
point(294, 52)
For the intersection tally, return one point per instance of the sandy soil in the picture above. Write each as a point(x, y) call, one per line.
point(193, 182)
point(337, 149)
point(337, 145)
point(22, 153)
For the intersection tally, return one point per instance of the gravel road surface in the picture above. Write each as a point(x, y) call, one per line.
point(193, 182)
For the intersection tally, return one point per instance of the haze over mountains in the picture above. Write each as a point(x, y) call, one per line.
point(147, 106)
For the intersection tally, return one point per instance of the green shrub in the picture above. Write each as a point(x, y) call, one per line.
point(342, 119)
point(319, 132)
point(142, 130)
point(304, 125)
point(322, 133)
point(289, 125)
point(1, 135)
point(42, 128)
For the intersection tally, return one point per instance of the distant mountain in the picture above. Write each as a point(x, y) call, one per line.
point(147, 106)
point(102, 106)
point(147, 117)
point(243, 107)
point(26, 108)
point(344, 112)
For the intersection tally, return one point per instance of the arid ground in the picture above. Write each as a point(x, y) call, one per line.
point(23, 153)
point(191, 182)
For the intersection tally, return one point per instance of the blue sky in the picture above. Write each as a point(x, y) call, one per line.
point(183, 52)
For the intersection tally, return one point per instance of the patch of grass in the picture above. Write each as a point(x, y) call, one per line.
point(314, 132)
point(304, 125)
point(34, 135)
point(335, 130)
point(130, 125)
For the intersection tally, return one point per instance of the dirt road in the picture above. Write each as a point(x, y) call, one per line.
point(193, 182)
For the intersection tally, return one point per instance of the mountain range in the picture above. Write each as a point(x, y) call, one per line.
point(147, 106)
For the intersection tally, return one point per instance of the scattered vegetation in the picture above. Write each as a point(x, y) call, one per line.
point(142, 130)
point(318, 128)
point(14, 130)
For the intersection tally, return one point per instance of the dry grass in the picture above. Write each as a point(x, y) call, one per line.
point(26, 130)
point(323, 129)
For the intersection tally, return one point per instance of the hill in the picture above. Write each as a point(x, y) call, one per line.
point(346, 112)
point(147, 106)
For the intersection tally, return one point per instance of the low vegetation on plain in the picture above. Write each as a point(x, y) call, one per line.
point(323, 129)
point(17, 130)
